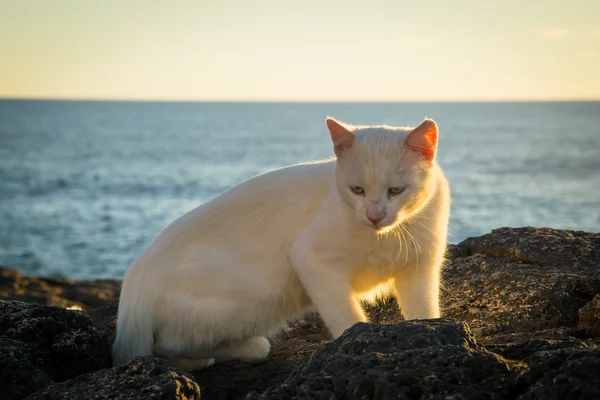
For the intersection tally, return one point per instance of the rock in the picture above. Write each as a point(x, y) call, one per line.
point(141, 378)
point(589, 317)
point(416, 359)
point(9, 277)
point(521, 281)
point(562, 375)
point(574, 251)
point(18, 375)
point(105, 320)
point(41, 344)
point(56, 292)
point(523, 349)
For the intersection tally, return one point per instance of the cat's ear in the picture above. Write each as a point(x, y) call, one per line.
point(423, 139)
point(341, 137)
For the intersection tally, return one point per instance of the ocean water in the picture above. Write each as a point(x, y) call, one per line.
point(85, 186)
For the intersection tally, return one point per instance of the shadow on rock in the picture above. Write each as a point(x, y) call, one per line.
point(41, 345)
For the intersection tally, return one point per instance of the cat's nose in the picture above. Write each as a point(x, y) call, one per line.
point(375, 220)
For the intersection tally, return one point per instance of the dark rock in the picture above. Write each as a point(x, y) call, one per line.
point(524, 349)
point(18, 375)
point(562, 375)
point(574, 251)
point(517, 281)
point(416, 359)
point(408, 335)
point(105, 320)
point(141, 378)
point(52, 343)
point(589, 317)
point(552, 334)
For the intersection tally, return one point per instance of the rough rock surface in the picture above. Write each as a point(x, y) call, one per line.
point(18, 375)
point(526, 299)
point(420, 359)
point(40, 345)
point(521, 281)
point(141, 378)
point(589, 317)
point(562, 375)
point(56, 291)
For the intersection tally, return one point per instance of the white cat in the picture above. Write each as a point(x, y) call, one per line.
point(225, 276)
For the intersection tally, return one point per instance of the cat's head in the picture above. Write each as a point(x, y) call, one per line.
point(384, 173)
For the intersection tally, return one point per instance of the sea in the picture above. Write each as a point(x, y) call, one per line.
point(85, 186)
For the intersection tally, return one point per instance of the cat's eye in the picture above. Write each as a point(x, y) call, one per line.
point(357, 190)
point(395, 191)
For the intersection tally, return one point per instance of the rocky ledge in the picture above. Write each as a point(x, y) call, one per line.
point(521, 320)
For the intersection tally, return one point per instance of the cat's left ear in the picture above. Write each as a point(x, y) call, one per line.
point(423, 140)
point(341, 137)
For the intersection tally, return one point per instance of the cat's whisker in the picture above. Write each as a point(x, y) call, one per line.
point(420, 225)
point(400, 248)
point(405, 232)
point(406, 248)
point(426, 228)
point(415, 244)
point(420, 217)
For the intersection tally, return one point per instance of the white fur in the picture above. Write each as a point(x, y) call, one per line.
point(228, 274)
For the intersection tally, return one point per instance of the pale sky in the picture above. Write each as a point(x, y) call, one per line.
point(367, 50)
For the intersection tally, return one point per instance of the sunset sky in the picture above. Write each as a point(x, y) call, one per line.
point(376, 50)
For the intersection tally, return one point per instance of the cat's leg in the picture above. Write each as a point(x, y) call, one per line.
point(191, 364)
point(190, 333)
point(188, 359)
point(329, 289)
point(255, 348)
point(417, 290)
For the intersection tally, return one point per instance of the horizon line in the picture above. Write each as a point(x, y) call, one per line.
point(271, 101)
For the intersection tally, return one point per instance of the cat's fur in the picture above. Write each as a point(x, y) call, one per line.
point(225, 276)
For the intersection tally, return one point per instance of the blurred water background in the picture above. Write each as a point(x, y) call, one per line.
point(85, 186)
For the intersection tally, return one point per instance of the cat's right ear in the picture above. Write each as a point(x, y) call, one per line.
point(423, 139)
point(341, 137)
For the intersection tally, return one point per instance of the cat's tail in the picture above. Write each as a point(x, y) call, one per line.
point(134, 332)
